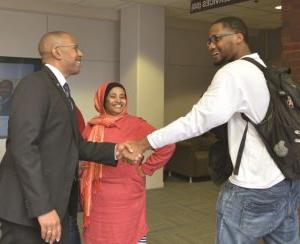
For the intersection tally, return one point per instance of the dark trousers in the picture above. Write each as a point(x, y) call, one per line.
point(74, 231)
point(19, 234)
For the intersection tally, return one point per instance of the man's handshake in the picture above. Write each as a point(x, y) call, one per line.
point(132, 151)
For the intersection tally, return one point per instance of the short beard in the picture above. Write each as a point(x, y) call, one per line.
point(220, 63)
point(223, 62)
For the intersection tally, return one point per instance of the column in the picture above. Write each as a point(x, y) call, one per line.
point(142, 55)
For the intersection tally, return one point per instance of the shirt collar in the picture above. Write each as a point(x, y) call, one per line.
point(256, 57)
point(59, 76)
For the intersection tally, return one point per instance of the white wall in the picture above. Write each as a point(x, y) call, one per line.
point(99, 41)
point(188, 66)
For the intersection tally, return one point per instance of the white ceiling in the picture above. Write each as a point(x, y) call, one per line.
point(256, 13)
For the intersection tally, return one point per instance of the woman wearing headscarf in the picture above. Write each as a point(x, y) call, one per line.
point(114, 198)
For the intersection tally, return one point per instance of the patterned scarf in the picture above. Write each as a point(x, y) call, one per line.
point(92, 172)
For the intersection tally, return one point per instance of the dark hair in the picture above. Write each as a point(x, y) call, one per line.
point(111, 86)
point(235, 24)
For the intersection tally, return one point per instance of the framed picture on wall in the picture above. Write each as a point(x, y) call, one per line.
point(12, 69)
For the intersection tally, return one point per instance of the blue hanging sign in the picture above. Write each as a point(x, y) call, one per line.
point(201, 5)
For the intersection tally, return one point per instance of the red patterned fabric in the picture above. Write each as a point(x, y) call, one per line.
point(118, 197)
point(95, 133)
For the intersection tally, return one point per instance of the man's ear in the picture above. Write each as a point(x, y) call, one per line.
point(56, 53)
point(239, 38)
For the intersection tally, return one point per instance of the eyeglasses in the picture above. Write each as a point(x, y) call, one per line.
point(217, 37)
point(75, 46)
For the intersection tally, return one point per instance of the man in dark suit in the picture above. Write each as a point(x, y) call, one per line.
point(38, 173)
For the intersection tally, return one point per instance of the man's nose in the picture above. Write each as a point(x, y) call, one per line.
point(211, 45)
point(80, 53)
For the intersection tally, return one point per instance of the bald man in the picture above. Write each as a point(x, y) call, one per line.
point(38, 173)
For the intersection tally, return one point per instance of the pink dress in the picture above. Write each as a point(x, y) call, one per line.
point(118, 206)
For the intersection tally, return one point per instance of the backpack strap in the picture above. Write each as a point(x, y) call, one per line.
point(243, 141)
point(240, 152)
point(253, 61)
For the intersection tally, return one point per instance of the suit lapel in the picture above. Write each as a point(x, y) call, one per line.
point(65, 99)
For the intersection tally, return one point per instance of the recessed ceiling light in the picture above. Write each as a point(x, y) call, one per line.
point(279, 7)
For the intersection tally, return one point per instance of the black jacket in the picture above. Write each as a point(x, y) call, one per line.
point(42, 151)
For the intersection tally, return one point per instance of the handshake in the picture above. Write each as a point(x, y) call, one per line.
point(132, 151)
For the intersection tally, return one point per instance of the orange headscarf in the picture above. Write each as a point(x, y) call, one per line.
point(93, 171)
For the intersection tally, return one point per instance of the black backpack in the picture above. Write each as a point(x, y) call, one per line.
point(279, 130)
point(219, 165)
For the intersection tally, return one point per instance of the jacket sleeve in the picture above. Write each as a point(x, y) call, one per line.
point(99, 152)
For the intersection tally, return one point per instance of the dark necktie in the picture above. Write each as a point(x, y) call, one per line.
point(68, 93)
point(67, 90)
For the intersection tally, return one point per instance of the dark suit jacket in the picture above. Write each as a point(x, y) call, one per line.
point(42, 151)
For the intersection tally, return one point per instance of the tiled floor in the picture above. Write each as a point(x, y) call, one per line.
point(182, 212)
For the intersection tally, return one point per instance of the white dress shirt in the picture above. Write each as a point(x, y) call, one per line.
point(59, 76)
point(237, 87)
